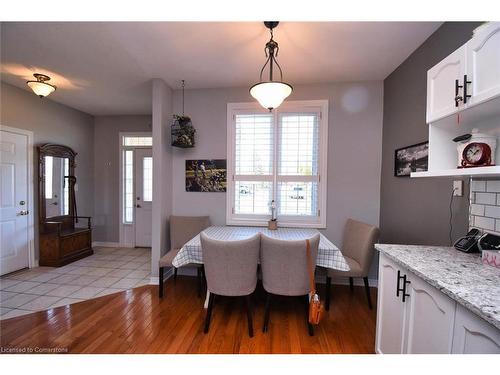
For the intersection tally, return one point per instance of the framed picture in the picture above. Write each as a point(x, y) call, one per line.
point(414, 158)
point(207, 176)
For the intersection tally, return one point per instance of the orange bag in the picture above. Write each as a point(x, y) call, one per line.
point(316, 307)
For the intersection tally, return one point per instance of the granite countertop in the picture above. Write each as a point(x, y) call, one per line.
point(459, 275)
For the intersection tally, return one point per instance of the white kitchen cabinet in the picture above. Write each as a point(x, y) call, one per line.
point(473, 335)
point(430, 318)
point(441, 83)
point(483, 64)
point(426, 320)
point(390, 324)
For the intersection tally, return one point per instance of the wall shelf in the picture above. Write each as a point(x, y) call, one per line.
point(493, 171)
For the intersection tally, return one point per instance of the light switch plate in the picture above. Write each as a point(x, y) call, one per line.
point(458, 188)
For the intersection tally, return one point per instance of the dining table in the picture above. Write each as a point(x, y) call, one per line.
point(329, 255)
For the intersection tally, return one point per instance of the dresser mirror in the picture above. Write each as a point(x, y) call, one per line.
point(64, 236)
point(57, 186)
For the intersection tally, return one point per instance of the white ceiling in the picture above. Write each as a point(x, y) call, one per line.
point(105, 68)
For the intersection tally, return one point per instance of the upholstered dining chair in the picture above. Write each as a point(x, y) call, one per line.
point(231, 270)
point(182, 229)
point(284, 271)
point(357, 248)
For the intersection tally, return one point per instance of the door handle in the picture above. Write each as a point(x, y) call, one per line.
point(138, 206)
point(466, 96)
point(398, 289)
point(405, 282)
point(23, 213)
point(458, 98)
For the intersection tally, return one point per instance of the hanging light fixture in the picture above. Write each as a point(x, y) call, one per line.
point(182, 131)
point(40, 87)
point(270, 94)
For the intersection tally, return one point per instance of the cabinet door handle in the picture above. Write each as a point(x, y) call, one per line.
point(458, 98)
point(405, 282)
point(465, 89)
point(398, 289)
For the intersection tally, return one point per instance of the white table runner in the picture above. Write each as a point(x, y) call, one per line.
point(329, 255)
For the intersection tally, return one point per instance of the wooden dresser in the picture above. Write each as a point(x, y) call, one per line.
point(64, 236)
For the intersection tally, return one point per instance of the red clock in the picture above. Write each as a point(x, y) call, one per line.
point(476, 154)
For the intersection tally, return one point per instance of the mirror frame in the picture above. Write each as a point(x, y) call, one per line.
point(58, 151)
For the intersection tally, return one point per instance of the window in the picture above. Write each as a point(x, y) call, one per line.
point(278, 156)
point(144, 141)
point(147, 179)
point(128, 186)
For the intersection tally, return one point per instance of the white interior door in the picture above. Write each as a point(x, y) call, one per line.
point(14, 231)
point(143, 196)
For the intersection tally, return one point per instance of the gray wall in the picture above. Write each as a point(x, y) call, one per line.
point(107, 171)
point(51, 122)
point(416, 211)
point(355, 146)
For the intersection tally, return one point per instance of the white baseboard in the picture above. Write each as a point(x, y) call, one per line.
point(167, 274)
point(110, 244)
point(320, 279)
point(345, 281)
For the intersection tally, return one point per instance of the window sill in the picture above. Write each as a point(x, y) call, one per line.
point(281, 224)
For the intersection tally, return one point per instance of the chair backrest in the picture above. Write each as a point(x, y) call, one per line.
point(231, 266)
point(284, 265)
point(358, 242)
point(184, 228)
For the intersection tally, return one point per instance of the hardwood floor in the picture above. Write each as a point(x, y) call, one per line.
point(137, 321)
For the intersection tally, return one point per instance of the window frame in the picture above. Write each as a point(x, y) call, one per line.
point(319, 221)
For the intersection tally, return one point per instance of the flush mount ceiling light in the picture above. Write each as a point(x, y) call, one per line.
point(40, 87)
point(270, 94)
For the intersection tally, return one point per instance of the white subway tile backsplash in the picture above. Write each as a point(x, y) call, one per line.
point(478, 185)
point(485, 205)
point(484, 222)
point(477, 209)
point(492, 211)
point(486, 198)
point(493, 186)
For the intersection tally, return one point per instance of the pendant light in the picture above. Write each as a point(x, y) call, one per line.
point(182, 131)
point(40, 87)
point(270, 94)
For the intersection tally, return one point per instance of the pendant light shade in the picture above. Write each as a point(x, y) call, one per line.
point(40, 87)
point(270, 94)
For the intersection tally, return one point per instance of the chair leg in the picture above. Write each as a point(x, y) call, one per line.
point(211, 297)
point(248, 301)
point(367, 290)
point(351, 283)
point(327, 293)
point(175, 273)
point(198, 279)
point(203, 279)
point(266, 313)
point(160, 285)
point(310, 328)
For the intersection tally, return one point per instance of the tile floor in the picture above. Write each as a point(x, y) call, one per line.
point(108, 270)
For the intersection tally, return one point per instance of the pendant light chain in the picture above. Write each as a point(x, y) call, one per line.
point(183, 85)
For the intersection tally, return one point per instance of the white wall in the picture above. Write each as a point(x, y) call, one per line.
point(355, 147)
point(162, 171)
